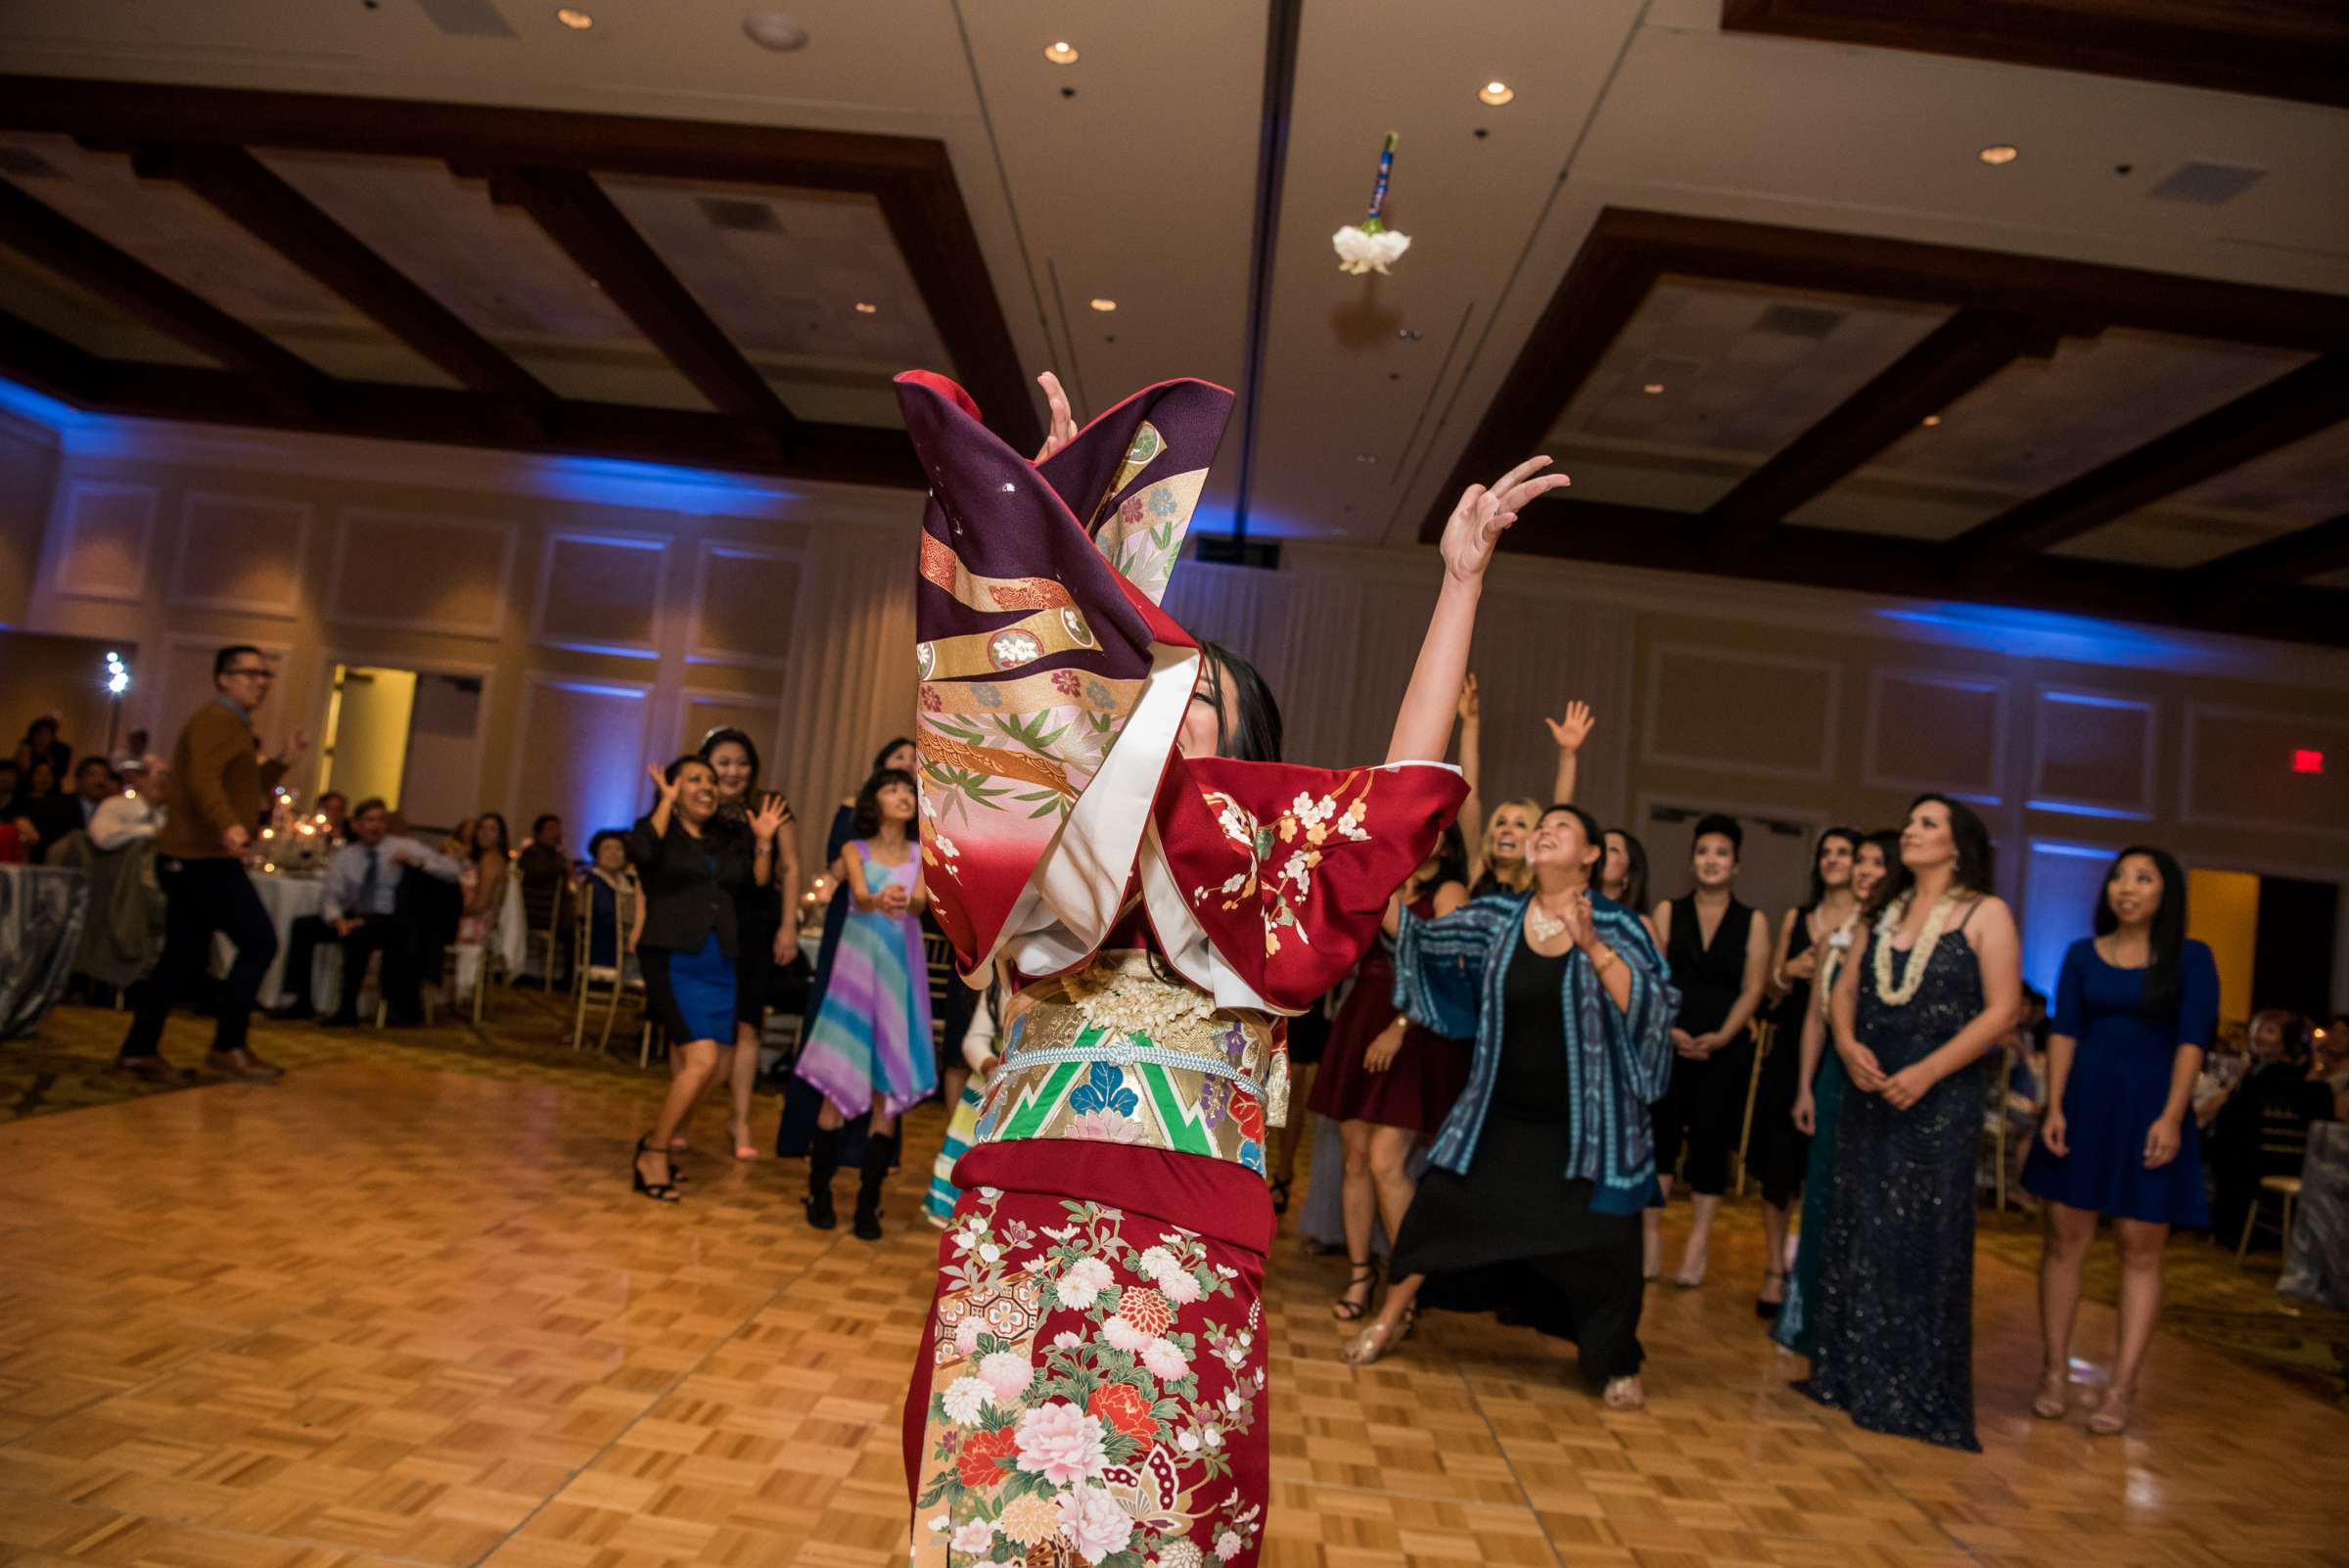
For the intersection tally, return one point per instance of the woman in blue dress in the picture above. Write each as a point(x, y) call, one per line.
point(2135, 1010)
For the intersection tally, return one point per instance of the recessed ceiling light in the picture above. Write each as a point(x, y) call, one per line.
point(866, 307)
point(1932, 420)
point(1061, 53)
point(1366, 457)
point(771, 29)
point(1105, 304)
point(1999, 153)
point(1497, 93)
point(1653, 388)
point(574, 19)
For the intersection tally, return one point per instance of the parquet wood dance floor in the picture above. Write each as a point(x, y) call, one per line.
point(385, 1315)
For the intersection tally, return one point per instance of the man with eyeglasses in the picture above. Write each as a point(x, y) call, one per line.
point(218, 785)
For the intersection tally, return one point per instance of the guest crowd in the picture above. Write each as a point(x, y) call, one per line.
point(1507, 1089)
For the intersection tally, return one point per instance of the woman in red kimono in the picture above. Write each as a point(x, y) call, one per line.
point(1105, 816)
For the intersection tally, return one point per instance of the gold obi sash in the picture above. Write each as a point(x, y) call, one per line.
point(1114, 1054)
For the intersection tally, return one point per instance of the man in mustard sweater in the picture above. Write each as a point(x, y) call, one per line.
point(218, 786)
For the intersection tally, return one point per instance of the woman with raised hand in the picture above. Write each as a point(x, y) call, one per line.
point(767, 918)
point(689, 872)
point(1105, 816)
point(1940, 981)
point(1532, 1199)
point(2135, 1009)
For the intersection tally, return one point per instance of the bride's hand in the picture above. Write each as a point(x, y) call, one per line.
point(1476, 525)
point(1064, 423)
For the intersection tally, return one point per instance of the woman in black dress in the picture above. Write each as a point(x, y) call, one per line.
point(1940, 981)
point(767, 918)
point(1776, 1148)
point(1720, 955)
point(1531, 1201)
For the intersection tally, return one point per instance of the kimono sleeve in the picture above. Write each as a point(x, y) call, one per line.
point(1440, 963)
point(1638, 1036)
point(1273, 879)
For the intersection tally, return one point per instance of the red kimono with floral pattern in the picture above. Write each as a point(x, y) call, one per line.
point(1091, 1385)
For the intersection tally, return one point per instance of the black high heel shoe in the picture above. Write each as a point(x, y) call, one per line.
point(1767, 1310)
point(1347, 1311)
point(658, 1191)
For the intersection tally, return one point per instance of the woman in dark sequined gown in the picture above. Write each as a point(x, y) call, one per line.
point(1940, 979)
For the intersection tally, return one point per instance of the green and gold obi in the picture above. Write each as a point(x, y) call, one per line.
point(1114, 1054)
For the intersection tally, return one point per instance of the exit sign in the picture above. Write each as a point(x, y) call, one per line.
point(2308, 762)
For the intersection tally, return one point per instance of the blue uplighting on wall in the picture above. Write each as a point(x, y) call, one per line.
point(2046, 634)
point(2075, 809)
point(42, 409)
point(655, 486)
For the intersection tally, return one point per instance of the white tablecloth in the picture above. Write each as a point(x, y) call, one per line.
point(288, 900)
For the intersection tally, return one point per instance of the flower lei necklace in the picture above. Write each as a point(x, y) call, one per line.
point(1920, 957)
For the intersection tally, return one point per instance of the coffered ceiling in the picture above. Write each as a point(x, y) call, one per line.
point(462, 220)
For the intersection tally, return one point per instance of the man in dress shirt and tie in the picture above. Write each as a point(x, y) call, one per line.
point(362, 913)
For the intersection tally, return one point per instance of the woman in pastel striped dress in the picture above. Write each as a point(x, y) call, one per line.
point(870, 1047)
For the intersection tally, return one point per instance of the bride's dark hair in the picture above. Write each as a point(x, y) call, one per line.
point(1257, 736)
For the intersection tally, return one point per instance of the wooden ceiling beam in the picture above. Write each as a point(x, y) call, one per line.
point(2284, 410)
point(933, 229)
point(1592, 304)
point(2285, 558)
point(36, 357)
point(576, 215)
point(1883, 564)
point(1952, 361)
point(845, 454)
point(132, 286)
point(248, 194)
point(2289, 50)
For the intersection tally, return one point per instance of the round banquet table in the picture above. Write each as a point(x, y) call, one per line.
point(42, 908)
point(288, 900)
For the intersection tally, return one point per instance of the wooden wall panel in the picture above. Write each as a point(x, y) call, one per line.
point(601, 592)
point(241, 553)
point(418, 572)
point(580, 750)
point(105, 535)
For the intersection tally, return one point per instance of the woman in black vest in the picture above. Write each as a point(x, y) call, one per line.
point(1719, 950)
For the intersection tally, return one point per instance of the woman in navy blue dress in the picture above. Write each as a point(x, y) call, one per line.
point(2135, 1010)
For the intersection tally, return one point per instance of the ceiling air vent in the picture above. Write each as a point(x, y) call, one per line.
point(1798, 321)
point(738, 217)
point(2206, 184)
point(467, 18)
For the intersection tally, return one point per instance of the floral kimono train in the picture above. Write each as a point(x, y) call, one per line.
point(1091, 1385)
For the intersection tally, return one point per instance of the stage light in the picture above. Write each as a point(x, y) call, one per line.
point(1497, 93)
point(1061, 53)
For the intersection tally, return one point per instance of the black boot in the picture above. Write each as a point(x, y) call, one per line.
point(880, 1151)
point(823, 1160)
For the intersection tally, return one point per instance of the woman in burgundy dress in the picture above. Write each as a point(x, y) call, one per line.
point(1387, 1082)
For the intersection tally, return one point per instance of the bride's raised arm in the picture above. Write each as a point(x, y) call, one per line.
point(1423, 726)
